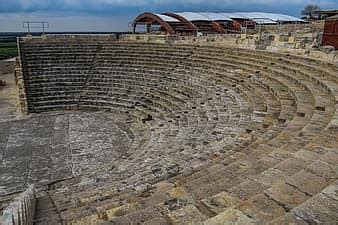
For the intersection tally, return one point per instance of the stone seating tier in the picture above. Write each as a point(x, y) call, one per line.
point(239, 135)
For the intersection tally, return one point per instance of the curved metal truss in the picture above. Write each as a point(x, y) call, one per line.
point(151, 18)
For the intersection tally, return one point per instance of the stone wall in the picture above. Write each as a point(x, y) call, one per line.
point(21, 85)
point(314, 26)
point(70, 37)
point(21, 209)
point(144, 38)
point(270, 42)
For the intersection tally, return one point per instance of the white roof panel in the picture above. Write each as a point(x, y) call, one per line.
point(270, 16)
point(237, 15)
point(283, 17)
point(167, 18)
point(216, 16)
point(192, 16)
point(256, 16)
point(264, 21)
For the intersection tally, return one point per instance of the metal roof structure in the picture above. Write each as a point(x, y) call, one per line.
point(261, 16)
point(209, 22)
point(192, 16)
point(204, 16)
point(216, 16)
point(149, 18)
point(236, 15)
point(282, 17)
point(166, 18)
point(264, 21)
point(168, 23)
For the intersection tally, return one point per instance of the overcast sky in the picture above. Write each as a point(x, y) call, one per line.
point(114, 15)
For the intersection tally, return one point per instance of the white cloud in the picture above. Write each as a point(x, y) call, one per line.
point(134, 5)
point(27, 3)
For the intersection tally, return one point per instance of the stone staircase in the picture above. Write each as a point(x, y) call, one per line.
point(46, 212)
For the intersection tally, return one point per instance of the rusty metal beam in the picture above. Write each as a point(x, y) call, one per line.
point(182, 19)
point(236, 25)
point(150, 18)
point(217, 27)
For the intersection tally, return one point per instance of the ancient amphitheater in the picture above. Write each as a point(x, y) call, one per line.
point(149, 133)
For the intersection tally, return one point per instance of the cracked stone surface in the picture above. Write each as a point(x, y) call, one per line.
point(42, 149)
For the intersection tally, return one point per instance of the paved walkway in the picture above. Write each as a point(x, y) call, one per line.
point(47, 148)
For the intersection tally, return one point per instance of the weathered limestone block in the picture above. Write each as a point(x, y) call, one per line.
point(292, 39)
point(21, 209)
point(92, 219)
point(187, 215)
point(230, 216)
point(220, 202)
point(243, 36)
point(278, 38)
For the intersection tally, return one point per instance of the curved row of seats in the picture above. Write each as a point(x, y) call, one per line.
point(225, 134)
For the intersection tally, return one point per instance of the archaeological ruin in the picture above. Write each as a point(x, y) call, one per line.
point(156, 129)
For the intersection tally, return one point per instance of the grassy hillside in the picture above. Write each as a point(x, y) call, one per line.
point(8, 50)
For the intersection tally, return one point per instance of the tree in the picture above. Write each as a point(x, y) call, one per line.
point(311, 11)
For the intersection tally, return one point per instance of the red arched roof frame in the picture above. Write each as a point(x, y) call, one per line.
point(182, 19)
point(150, 18)
point(218, 27)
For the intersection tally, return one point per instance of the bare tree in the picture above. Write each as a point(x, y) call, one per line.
point(311, 11)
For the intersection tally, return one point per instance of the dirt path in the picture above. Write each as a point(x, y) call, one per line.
point(9, 99)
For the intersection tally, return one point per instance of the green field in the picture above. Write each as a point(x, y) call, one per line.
point(8, 50)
